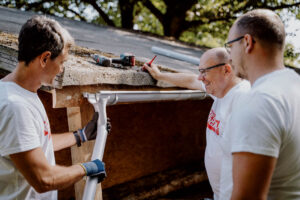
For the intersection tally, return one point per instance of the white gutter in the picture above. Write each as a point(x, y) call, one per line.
point(103, 98)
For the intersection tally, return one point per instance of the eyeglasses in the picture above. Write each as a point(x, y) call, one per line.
point(227, 45)
point(203, 71)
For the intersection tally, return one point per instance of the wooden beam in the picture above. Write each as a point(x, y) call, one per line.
point(76, 117)
point(8, 58)
point(75, 122)
point(71, 96)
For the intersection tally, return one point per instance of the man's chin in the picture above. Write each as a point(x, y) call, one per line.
point(241, 75)
point(46, 84)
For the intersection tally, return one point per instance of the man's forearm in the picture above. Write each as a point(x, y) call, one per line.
point(63, 140)
point(184, 80)
point(60, 177)
point(41, 175)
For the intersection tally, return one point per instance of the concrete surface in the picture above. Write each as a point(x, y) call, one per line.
point(80, 69)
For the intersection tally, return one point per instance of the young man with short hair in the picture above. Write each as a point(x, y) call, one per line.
point(27, 164)
point(264, 129)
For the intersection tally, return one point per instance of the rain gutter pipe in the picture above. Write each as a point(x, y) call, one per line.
point(103, 98)
point(175, 55)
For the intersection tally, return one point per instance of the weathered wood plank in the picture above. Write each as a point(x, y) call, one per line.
point(71, 96)
point(8, 58)
point(74, 122)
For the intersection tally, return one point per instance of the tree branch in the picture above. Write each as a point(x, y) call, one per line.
point(101, 12)
point(30, 6)
point(153, 9)
point(201, 22)
point(281, 6)
point(77, 14)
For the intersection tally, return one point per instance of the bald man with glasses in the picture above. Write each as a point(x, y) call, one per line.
point(218, 79)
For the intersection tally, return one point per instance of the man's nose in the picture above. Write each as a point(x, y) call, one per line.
point(201, 77)
point(61, 70)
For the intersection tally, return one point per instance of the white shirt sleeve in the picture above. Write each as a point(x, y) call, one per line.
point(19, 131)
point(257, 128)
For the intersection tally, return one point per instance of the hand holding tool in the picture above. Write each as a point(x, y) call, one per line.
point(95, 168)
point(149, 63)
point(89, 132)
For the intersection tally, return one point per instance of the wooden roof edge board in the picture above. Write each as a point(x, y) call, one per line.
point(71, 96)
point(8, 58)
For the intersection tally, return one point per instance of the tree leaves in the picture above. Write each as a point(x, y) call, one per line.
point(202, 22)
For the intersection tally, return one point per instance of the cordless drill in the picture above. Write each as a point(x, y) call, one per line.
point(125, 60)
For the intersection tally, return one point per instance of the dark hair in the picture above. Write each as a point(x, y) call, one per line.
point(40, 34)
point(264, 25)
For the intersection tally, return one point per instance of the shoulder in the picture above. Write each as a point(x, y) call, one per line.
point(9, 108)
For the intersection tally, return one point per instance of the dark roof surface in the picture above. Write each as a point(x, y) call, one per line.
point(107, 39)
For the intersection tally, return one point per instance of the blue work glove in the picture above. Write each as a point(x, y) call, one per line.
point(89, 132)
point(95, 168)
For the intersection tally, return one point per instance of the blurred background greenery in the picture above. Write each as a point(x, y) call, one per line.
point(199, 22)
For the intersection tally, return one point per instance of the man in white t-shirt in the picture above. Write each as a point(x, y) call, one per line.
point(217, 79)
point(27, 164)
point(264, 129)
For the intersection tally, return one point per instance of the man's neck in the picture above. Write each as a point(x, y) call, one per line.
point(231, 83)
point(260, 66)
point(24, 77)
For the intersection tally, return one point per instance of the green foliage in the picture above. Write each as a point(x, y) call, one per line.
point(144, 20)
point(291, 57)
point(201, 22)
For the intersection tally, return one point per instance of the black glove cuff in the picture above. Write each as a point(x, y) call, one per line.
point(78, 141)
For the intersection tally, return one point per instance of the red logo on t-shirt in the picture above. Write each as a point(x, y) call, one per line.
point(212, 123)
point(47, 130)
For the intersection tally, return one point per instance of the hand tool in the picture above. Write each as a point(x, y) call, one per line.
point(125, 59)
point(149, 63)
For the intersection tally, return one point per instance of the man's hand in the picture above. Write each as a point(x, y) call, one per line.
point(95, 168)
point(153, 70)
point(89, 132)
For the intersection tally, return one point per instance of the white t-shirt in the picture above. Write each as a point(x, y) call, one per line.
point(217, 121)
point(267, 123)
point(24, 125)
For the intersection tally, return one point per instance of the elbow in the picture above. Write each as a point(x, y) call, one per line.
point(249, 196)
point(44, 185)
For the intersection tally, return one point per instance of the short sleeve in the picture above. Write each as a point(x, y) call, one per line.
point(19, 131)
point(257, 127)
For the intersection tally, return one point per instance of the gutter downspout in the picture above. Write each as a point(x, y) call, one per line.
point(103, 98)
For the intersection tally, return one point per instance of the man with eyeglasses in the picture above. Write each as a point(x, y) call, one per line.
point(217, 79)
point(264, 129)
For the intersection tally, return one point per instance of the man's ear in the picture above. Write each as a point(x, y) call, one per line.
point(44, 57)
point(248, 43)
point(227, 69)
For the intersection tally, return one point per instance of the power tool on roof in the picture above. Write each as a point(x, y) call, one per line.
point(125, 59)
